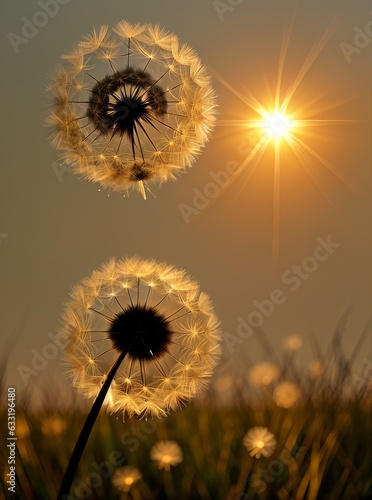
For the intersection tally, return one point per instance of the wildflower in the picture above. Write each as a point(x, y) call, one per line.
point(167, 454)
point(53, 425)
point(263, 374)
point(286, 394)
point(153, 315)
point(125, 477)
point(259, 441)
point(131, 106)
point(292, 343)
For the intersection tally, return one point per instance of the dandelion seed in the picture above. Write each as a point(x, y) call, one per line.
point(167, 454)
point(263, 374)
point(286, 394)
point(125, 477)
point(259, 441)
point(145, 109)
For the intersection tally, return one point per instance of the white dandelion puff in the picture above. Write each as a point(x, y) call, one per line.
point(259, 441)
point(286, 394)
point(263, 374)
point(125, 477)
point(167, 454)
point(131, 105)
point(159, 318)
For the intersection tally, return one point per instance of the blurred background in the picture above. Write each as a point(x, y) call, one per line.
point(55, 228)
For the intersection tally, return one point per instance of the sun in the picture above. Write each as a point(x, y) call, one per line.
point(277, 125)
point(277, 122)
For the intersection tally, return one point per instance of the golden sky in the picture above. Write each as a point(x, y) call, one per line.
point(221, 218)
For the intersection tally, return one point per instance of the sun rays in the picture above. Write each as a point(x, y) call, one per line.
point(277, 125)
point(282, 126)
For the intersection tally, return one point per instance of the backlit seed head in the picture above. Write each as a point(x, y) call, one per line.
point(157, 316)
point(141, 332)
point(259, 441)
point(166, 454)
point(131, 106)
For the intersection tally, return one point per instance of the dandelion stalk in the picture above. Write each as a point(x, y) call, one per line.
point(141, 332)
point(169, 484)
point(86, 430)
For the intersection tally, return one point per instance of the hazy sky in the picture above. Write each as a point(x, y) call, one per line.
point(55, 228)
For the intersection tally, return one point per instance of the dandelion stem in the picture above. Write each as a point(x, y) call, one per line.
point(86, 430)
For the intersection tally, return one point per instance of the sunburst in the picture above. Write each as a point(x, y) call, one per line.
point(280, 126)
point(277, 125)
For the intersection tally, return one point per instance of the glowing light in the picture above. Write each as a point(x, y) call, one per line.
point(277, 125)
point(277, 121)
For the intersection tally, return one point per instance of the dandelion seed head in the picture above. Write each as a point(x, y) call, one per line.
point(126, 306)
point(259, 441)
point(286, 394)
point(141, 332)
point(167, 454)
point(147, 110)
point(292, 342)
point(125, 477)
point(263, 374)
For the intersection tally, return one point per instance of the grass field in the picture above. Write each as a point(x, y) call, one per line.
point(323, 445)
